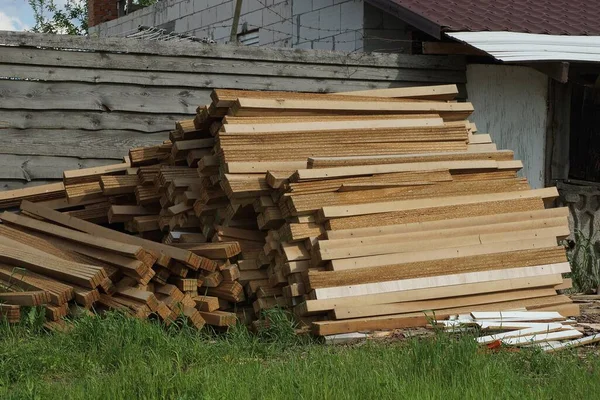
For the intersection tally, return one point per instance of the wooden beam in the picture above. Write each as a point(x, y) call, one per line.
point(438, 281)
point(375, 208)
point(428, 293)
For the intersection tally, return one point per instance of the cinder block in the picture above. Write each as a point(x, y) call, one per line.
point(330, 21)
point(253, 19)
point(276, 13)
point(195, 21)
point(281, 31)
point(352, 13)
point(303, 45)
point(345, 41)
point(301, 6)
point(308, 28)
point(323, 44)
point(186, 7)
point(173, 12)
point(181, 24)
point(265, 37)
point(249, 6)
point(214, 3)
point(209, 16)
point(319, 4)
point(199, 5)
point(224, 11)
point(222, 33)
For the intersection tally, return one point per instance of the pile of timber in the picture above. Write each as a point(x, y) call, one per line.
point(51, 259)
point(358, 211)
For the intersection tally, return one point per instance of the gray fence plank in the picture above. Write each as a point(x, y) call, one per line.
point(27, 168)
point(88, 120)
point(7, 184)
point(134, 46)
point(194, 80)
point(109, 144)
point(18, 55)
point(30, 95)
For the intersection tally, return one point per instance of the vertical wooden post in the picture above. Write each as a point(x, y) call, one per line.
point(236, 21)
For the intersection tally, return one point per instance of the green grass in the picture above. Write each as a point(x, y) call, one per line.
point(116, 357)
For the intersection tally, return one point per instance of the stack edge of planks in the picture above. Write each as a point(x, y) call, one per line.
point(359, 211)
point(53, 260)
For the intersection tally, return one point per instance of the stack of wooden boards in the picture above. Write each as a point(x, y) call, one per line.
point(358, 210)
point(547, 330)
point(52, 259)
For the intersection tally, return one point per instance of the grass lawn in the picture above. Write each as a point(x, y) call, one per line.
point(115, 357)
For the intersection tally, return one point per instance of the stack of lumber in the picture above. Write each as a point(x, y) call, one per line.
point(359, 211)
point(49, 259)
point(547, 330)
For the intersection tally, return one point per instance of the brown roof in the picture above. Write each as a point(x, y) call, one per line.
point(554, 17)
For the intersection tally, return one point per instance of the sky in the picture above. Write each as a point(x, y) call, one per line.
point(16, 15)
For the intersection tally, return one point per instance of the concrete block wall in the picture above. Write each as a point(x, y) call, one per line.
point(310, 24)
point(328, 24)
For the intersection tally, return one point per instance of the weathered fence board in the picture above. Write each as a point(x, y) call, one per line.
point(108, 144)
point(70, 102)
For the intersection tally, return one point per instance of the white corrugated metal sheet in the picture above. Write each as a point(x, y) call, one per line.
point(520, 47)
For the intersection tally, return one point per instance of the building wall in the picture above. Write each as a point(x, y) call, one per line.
point(385, 33)
point(511, 105)
point(306, 24)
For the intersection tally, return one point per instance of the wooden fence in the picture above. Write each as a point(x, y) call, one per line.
point(73, 102)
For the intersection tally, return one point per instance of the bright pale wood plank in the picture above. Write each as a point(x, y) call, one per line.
point(312, 306)
point(229, 129)
point(438, 281)
point(543, 337)
point(541, 328)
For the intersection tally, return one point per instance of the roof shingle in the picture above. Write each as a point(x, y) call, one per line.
point(553, 17)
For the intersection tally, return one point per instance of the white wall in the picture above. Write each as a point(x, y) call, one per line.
point(511, 105)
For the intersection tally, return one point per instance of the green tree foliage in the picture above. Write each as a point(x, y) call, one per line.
point(70, 19)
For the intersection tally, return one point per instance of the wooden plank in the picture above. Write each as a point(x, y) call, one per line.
point(437, 92)
point(336, 172)
point(408, 320)
point(520, 218)
point(13, 198)
point(426, 242)
point(438, 281)
point(419, 121)
point(188, 80)
point(111, 144)
point(426, 305)
point(20, 255)
point(429, 293)
point(29, 168)
point(89, 120)
point(43, 96)
point(422, 255)
point(241, 167)
point(93, 174)
point(533, 330)
point(75, 236)
point(572, 343)
point(250, 104)
point(375, 208)
point(329, 162)
point(542, 337)
point(188, 258)
point(182, 48)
